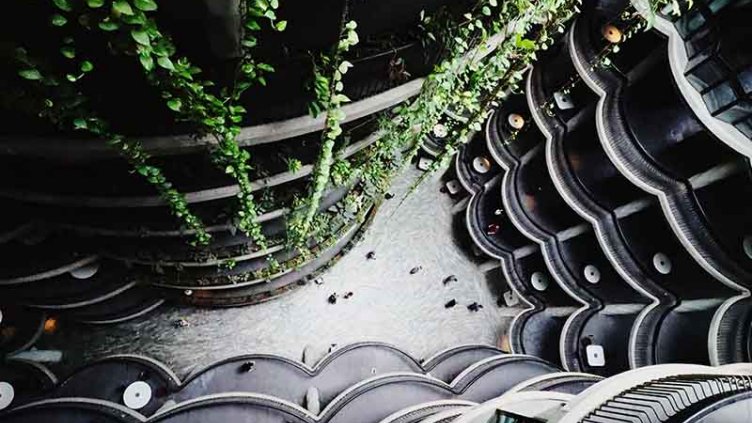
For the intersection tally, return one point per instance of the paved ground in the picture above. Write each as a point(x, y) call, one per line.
point(388, 303)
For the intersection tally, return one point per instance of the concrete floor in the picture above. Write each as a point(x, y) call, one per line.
point(388, 304)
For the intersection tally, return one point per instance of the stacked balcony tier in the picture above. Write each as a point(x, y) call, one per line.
point(633, 203)
point(85, 236)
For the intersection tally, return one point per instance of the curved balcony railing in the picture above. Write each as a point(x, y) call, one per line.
point(616, 209)
point(622, 303)
point(341, 387)
point(691, 174)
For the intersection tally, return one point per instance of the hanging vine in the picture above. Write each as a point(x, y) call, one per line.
point(190, 98)
point(484, 54)
point(402, 132)
point(458, 80)
point(532, 28)
point(327, 86)
point(470, 81)
point(67, 107)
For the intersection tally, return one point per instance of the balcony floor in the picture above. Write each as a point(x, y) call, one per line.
point(388, 303)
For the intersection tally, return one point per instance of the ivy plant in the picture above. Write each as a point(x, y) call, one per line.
point(533, 27)
point(484, 54)
point(328, 89)
point(469, 79)
point(64, 105)
point(134, 31)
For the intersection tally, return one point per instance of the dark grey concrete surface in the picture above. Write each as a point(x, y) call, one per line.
point(388, 304)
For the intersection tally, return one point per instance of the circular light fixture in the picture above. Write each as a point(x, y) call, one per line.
point(50, 325)
point(7, 393)
point(592, 274)
point(516, 121)
point(85, 272)
point(137, 395)
point(481, 165)
point(662, 263)
point(539, 281)
point(612, 34)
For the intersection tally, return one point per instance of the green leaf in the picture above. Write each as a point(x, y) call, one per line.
point(30, 74)
point(174, 104)
point(80, 123)
point(341, 98)
point(344, 66)
point(141, 36)
point(265, 67)
point(281, 26)
point(524, 43)
point(58, 20)
point(135, 20)
point(68, 51)
point(486, 11)
point(63, 5)
point(109, 26)
point(166, 63)
point(122, 7)
point(314, 109)
point(162, 50)
point(252, 25)
point(87, 66)
point(337, 114)
point(145, 5)
point(95, 3)
point(238, 110)
point(146, 61)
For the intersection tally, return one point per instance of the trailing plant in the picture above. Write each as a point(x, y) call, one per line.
point(476, 69)
point(464, 49)
point(190, 98)
point(68, 108)
point(532, 27)
point(327, 230)
point(328, 86)
point(470, 78)
point(484, 54)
